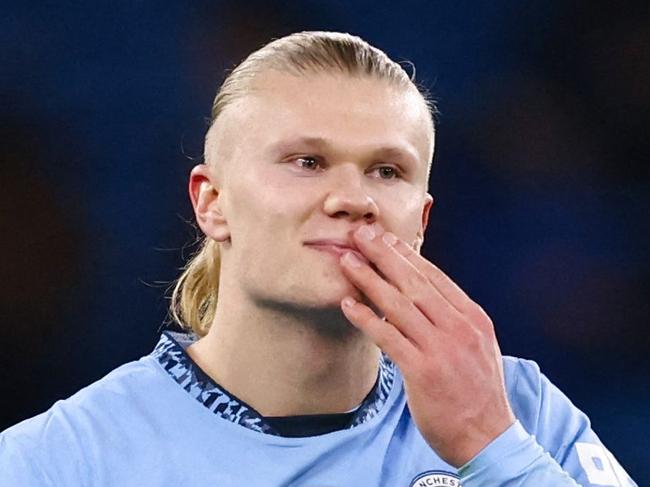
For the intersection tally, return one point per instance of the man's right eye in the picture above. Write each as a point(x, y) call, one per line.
point(307, 162)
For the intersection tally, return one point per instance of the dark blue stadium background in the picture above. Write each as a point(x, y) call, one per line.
point(541, 179)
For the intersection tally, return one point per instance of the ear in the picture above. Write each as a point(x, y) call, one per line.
point(204, 194)
point(426, 208)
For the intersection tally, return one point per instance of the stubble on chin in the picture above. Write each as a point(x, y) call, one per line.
point(327, 321)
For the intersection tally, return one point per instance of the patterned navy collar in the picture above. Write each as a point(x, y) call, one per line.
point(170, 353)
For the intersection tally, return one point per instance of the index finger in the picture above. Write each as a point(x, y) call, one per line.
point(448, 288)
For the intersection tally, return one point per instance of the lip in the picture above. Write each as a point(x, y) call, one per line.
point(336, 247)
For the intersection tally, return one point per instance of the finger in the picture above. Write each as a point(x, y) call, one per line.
point(443, 283)
point(403, 274)
point(397, 307)
point(383, 333)
point(447, 287)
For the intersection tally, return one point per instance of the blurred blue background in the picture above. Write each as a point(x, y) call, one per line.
point(541, 179)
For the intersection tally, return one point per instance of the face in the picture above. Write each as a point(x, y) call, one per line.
point(295, 167)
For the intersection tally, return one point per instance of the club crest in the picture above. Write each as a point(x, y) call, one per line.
point(435, 478)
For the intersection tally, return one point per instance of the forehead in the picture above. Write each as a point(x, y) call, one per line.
point(357, 113)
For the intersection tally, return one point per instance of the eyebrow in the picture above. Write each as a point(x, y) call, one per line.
point(324, 144)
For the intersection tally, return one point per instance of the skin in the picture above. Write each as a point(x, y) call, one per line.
point(334, 156)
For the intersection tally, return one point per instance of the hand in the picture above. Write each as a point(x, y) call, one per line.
point(442, 341)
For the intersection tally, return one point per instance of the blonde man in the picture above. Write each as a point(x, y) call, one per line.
point(324, 349)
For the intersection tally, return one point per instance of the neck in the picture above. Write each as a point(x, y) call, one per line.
point(285, 361)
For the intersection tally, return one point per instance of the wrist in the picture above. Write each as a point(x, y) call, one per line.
point(471, 441)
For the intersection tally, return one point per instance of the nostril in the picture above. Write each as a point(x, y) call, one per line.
point(342, 204)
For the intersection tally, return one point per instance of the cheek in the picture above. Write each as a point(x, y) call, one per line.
point(261, 209)
point(403, 216)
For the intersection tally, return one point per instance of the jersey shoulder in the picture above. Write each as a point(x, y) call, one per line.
point(108, 401)
point(534, 397)
point(543, 409)
point(59, 446)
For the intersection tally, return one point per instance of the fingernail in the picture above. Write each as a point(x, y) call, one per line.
point(348, 301)
point(352, 260)
point(366, 232)
point(377, 228)
point(389, 238)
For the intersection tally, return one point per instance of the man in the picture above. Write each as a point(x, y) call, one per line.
point(326, 351)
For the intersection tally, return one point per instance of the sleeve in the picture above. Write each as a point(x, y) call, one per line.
point(16, 466)
point(550, 444)
point(45, 450)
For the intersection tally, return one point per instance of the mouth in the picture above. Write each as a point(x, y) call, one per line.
point(336, 249)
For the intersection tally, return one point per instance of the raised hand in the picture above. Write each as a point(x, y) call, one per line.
point(442, 341)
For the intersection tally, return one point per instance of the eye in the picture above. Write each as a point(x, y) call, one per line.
point(307, 162)
point(388, 172)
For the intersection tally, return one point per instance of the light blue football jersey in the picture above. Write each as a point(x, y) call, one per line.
point(161, 421)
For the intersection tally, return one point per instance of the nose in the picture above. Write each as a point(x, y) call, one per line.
point(349, 199)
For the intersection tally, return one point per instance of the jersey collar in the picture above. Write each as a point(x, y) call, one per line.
point(170, 353)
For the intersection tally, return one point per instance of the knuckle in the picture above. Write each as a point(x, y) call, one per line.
point(396, 309)
point(480, 318)
point(472, 339)
point(418, 289)
point(399, 301)
point(419, 297)
point(416, 281)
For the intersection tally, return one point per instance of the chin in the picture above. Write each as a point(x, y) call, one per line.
point(326, 294)
point(327, 299)
point(316, 284)
point(337, 290)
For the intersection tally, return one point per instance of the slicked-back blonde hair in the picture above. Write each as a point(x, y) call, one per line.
point(194, 296)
